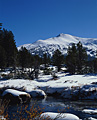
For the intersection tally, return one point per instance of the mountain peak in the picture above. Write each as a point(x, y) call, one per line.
point(64, 35)
point(61, 42)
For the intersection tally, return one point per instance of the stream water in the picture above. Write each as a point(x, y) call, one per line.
point(51, 104)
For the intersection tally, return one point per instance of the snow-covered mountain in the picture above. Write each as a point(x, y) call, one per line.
point(61, 42)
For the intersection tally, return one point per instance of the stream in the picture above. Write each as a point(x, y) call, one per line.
point(51, 104)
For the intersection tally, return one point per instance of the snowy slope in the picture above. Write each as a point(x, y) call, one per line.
point(61, 42)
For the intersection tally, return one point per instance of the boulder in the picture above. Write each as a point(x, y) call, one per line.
point(15, 96)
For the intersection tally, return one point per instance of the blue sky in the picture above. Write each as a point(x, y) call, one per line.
point(30, 20)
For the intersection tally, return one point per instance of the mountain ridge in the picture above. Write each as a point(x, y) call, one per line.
point(61, 42)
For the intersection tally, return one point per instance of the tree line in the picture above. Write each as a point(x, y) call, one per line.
point(76, 60)
point(10, 56)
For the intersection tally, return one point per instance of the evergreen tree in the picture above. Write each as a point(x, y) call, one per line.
point(36, 65)
point(9, 45)
point(46, 60)
point(95, 64)
point(76, 59)
point(58, 59)
point(71, 59)
point(0, 26)
point(2, 50)
point(25, 58)
point(1, 34)
point(2, 58)
point(81, 58)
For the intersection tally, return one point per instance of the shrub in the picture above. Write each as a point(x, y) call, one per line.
point(47, 71)
point(23, 112)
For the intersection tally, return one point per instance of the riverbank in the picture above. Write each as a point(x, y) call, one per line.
point(75, 87)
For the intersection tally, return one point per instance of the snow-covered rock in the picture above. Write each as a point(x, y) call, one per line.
point(15, 96)
point(90, 111)
point(91, 118)
point(13, 92)
point(61, 42)
point(59, 116)
point(37, 93)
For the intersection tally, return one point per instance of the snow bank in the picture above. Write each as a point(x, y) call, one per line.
point(59, 116)
point(37, 93)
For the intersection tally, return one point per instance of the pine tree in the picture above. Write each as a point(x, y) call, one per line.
point(71, 59)
point(81, 58)
point(94, 64)
point(36, 65)
point(25, 58)
point(76, 59)
point(0, 26)
point(1, 34)
point(2, 58)
point(46, 60)
point(9, 45)
point(58, 59)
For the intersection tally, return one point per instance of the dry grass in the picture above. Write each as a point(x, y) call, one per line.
point(3, 107)
point(23, 113)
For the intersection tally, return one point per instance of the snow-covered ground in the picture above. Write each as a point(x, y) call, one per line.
point(66, 85)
